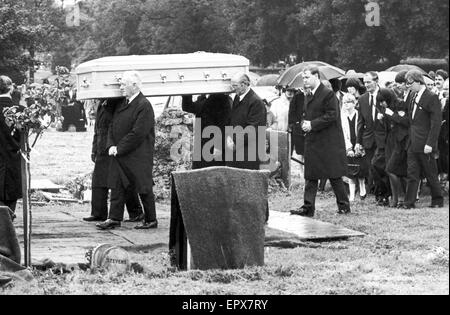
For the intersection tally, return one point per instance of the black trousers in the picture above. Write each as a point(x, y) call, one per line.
point(339, 191)
point(99, 204)
point(420, 163)
point(370, 153)
point(118, 198)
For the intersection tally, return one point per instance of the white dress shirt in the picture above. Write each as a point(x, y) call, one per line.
point(417, 100)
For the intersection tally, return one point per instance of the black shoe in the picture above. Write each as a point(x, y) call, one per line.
point(343, 211)
point(384, 202)
point(437, 206)
point(137, 218)
point(363, 197)
point(303, 212)
point(393, 205)
point(108, 225)
point(147, 225)
point(93, 219)
point(406, 206)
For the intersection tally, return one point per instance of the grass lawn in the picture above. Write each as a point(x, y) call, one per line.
point(404, 252)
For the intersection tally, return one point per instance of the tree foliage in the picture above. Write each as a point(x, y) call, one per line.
point(264, 31)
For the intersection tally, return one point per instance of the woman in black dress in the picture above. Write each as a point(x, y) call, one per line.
point(396, 112)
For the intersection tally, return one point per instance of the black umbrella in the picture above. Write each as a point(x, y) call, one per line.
point(268, 80)
point(326, 72)
point(406, 67)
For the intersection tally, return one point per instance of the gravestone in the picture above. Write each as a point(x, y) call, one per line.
point(217, 218)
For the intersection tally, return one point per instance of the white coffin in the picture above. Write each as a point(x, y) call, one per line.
point(162, 75)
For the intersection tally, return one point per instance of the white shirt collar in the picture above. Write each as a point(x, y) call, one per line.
point(420, 93)
point(133, 97)
point(375, 92)
point(241, 97)
point(315, 89)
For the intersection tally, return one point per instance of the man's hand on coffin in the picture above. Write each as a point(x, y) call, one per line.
point(113, 151)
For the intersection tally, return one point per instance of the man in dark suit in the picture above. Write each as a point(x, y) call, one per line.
point(248, 111)
point(425, 123)
point(325, 154)
point(99, 204)
point(371, 137)
point(131, 141)
point(10, 164)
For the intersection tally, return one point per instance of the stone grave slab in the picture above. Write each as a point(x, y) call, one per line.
point(45, 185)
point(308, 229)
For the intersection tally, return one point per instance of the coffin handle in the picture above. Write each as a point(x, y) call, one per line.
point(206, 75)
point(163, 77)
point(85, 83)
point(181, 76)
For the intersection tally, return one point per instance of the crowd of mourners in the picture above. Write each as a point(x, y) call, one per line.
point(396, 135)
point(389, 141)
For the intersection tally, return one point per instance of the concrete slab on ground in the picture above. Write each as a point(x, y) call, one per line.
point(60, 234)
point(308, 229)
point(44, 184)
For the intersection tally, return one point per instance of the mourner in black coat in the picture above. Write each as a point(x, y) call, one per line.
point(425, 123)
point(325, 154)
point(248, 110)
point(131, 141)
point(372, 132)
point(99, 205)
point(295, 123)
point(212, 111)
point(10, 165)
point(395, 113)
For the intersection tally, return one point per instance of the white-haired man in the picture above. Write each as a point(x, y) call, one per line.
point(131, 141)
point(248, 110)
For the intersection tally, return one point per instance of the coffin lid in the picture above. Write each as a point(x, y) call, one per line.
point(156, 62)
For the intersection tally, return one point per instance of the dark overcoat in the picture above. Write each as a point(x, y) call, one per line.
point(103, 120)
point(10, 174)
point(212, 111)
point(371, 133)
point(295, 119)
point(426, 124)
point(325, 154)
point(133, 132)
point(251, 111)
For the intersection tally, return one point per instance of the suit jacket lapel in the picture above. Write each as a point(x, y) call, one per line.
point(125, 105)
point(246, 97)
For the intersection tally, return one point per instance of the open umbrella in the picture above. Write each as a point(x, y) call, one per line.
point(385, 77)
point(406, 67)
point(268, 80)
point(253, 78)
point(352, 74)
point(326, 72)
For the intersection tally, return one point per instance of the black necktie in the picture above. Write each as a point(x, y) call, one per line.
point(236, 101)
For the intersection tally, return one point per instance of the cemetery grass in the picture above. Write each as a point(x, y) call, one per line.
point(403, 252)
